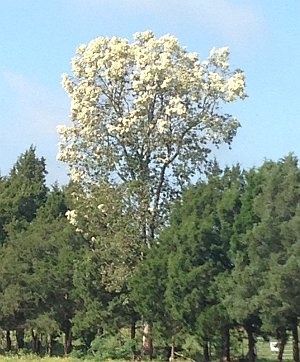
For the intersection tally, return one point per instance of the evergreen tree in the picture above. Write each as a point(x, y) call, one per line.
point(263, 252)
point(22, 193)
point(278, 249)
point(54, 248)
point(179, 279)
point(37, 274)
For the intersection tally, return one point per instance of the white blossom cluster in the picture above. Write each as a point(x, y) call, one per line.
point(137, 108)
point(71, 216)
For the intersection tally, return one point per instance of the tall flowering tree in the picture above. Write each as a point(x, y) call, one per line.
point(144, 117)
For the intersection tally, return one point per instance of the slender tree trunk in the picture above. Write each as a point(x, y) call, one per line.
point(67, 329)
point(132, 336)
point(132, 331)
point(8, 341)
point(147, 347)
point(20, 338)
point(280, 351)
point(282, 338)
point(226, 344)
point(49, 349)
point(173, 346)
point(68, 341)
point(251, 344)
point(35, 342)
point(205, 352)
point(294, 328)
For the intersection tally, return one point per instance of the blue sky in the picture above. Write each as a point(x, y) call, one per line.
point(39, 38)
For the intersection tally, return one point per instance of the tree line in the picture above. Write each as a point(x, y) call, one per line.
point(133, 248)
point(227, 259)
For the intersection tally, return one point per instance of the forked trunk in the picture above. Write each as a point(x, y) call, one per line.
point(147, 347)
point(172, 356)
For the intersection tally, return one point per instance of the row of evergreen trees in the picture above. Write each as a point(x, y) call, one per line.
point(229, 259)
point(38, 250)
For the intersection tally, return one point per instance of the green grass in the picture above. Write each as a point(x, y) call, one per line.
point(263, 350)
point(34, 358)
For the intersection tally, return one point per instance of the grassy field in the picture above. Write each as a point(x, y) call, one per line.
point(264, 356)
point(263, 351)
point(32, 358)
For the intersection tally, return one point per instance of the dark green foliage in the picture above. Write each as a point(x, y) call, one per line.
point(263, 286)
point(22, 193)
point(228, 260)
point(202, 242)
point(177, 285)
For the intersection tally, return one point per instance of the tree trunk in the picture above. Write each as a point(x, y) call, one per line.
point(8, 341)
point(294, 328)
point(49, 349)
point(205, 352)
point(225, 344)
point(132, 336)
point(132, 331)
point(280, 351)
point(68, 341)
point(172, 356)
point(251, 344)
point(147, 347)
point(20, 338)
point(282, 338)
point(35, 342)
point(67, 329)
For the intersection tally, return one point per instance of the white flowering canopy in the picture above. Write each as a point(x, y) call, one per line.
point(146, 112)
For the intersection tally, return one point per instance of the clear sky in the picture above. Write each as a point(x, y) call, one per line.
point(38, 38)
